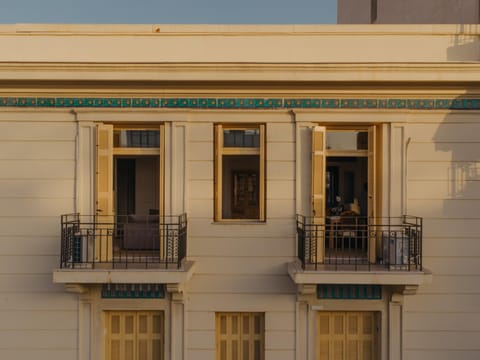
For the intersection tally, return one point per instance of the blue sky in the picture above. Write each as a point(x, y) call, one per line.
point(169, 11)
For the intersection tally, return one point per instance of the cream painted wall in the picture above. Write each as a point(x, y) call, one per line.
point(37, 162)
point(307, 44)
point(240, 267)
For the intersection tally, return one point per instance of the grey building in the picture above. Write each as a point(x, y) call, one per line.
point(408, 12)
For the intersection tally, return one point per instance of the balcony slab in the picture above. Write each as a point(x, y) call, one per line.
point(125, 276)
point(376, 275)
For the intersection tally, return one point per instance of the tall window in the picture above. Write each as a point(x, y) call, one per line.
point(134, 335)
point(344, 182)
point(240, 336)
point(129, 187)
point(240, 172)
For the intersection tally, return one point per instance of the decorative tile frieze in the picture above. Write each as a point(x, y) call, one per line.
point(133, 291)
point(358, 103)
point(243, 103)
point(349, 292)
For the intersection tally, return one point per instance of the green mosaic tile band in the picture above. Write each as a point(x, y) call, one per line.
point(133, 291)
point(349, 292)
point(243, 103)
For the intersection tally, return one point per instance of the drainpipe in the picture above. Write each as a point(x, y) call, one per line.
point(75, 170)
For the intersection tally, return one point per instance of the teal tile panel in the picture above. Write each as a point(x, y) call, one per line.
point(302, 103)
point(133, 291)
point(358, 103)
point(179, 103)
point(331, 103)
point(146, 103)
point(126, 102)
point(226, 103)
point(382, 104)
point(207, 103)
point(443, 103)
point(45, 102)
point(244, 103)
point(397, 103)
point(465, 104)
point(421, 104)
point(349, 292)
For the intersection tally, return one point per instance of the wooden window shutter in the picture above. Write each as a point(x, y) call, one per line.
point(318, 186)
point(104, 193)
point(104, 198)
point(371, 171)
point(318, 171)
point(372, 189)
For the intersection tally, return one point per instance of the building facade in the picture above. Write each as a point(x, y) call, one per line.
point(239, 192)
point(408, 12)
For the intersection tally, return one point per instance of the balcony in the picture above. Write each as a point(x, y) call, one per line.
point(123, 249)
point(359, 250)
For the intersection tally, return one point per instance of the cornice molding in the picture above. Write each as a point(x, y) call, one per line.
point(446, 72)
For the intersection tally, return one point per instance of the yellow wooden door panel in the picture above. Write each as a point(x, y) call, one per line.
point(346, 336)
point(134, 335)
point(240, 336)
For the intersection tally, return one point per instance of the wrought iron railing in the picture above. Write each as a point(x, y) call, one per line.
point(130, 241)
point(360, 243)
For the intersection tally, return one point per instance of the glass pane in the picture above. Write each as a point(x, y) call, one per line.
point(240, 186)
point(241, 138)
point(136, 138)
point(347, 140)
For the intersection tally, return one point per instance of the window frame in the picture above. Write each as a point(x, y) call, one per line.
point(221, 150)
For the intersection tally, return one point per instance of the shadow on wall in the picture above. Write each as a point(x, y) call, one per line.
point(466, 44)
